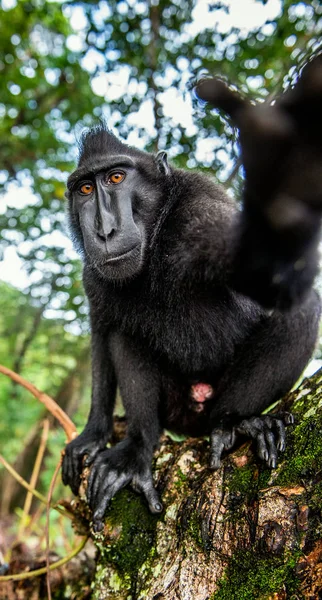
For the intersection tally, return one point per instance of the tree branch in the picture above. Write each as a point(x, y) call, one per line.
point(50, 404)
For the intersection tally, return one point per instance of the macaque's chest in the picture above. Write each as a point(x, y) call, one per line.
point(192, 334)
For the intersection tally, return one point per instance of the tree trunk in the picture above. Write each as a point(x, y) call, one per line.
point(243, 532)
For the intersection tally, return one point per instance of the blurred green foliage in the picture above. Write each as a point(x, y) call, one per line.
point(63, 65)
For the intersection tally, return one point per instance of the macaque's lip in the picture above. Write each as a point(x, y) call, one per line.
point(126, 254)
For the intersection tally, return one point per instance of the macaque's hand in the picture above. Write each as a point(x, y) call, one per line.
point(281, 149)
point(281, 146)
point(115, 468)
point(88, 444)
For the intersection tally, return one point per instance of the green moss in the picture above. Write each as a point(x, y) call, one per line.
point(181, 478)
point(115, 582)
point(193, 529)
point(314, 533)
point(264, 476)
point(243, 480)
point(242, 484)
point(303, 454)
point(251, 576)
point(137, 533)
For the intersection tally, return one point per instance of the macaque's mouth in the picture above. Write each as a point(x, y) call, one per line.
point(126, 254)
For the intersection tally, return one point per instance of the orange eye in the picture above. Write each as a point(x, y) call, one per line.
point(116, 177)
point(86, 189)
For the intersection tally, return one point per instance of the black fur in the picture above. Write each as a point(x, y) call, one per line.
point(173, 272)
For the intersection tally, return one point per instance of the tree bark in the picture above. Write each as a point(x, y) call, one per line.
point(243, 532)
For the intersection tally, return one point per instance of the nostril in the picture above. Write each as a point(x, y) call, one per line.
point(106, 235)
point(105, 225)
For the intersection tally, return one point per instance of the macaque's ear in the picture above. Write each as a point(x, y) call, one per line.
point(162, 163)
point(217, 93)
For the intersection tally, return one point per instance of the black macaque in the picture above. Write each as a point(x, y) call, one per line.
point(202, 314)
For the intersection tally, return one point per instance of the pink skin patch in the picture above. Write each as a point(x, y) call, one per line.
point(200, 392)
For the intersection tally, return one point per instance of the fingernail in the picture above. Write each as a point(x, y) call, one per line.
point(158, 506)
point(98, 526)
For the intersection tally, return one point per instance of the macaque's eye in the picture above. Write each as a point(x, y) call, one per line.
point(116, 177)
point(86, 189)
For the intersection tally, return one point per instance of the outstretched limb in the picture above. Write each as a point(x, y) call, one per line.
point(276, 257)
point(266, 367)
point(130, 461)
point(100, 421)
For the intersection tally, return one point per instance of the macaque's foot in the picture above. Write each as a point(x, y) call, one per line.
point(267, 431)
point(269, 434)
point(75, 451)
point(112, 470)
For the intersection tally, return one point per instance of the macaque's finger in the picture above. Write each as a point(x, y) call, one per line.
point(288, 418)
point(217, 93)
point(90, 456)
point(93, 485)
point(71, 470)
point(100, 511)
point(272, 450)
point(307, 90)
point(220, 440)
point(145, 485)
point(262, 449)
point(281, 435)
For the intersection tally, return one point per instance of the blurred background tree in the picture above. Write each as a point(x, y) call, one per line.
point(64, 65)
